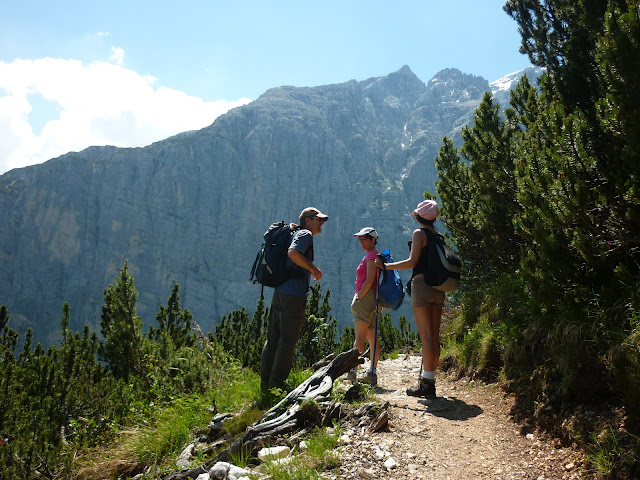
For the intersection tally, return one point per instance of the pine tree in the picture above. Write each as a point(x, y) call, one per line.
point(559, 222)
point(317, 338)
point(478, 190)
point(174, 325)
point(257, 332)
point(562, 37)
point(121, 327)
point(8, 343)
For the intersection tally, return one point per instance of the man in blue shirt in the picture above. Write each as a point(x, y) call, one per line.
point(289, 302)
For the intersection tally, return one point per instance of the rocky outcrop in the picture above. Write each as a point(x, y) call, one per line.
point(192, 208)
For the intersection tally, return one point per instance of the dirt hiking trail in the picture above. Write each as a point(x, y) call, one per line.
point(464, 433)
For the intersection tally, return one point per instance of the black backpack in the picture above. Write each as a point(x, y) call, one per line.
point(270, 265)
point(443, 267)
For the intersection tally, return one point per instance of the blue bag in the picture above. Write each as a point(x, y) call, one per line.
point(390, 288)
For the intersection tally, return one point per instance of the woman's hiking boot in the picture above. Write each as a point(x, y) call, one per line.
point(425, 388)
point(367, 380)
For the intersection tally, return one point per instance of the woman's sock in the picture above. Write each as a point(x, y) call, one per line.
point(429, 374)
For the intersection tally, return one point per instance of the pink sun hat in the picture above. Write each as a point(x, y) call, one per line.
point(427, 209)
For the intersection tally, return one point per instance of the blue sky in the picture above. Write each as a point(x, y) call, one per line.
point(128, 73)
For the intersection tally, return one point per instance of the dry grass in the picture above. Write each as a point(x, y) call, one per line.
point(116, 461)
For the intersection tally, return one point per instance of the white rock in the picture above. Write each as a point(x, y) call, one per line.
point(203, 476)
point(302, 445)
point(185, 456)
point(236, 473)
point(344, 440)
point(282, 461)
point(219, 471)
point(390, 463)
point(273, 453)
point(227, 471)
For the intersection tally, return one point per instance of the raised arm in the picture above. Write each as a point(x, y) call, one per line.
point(418, 242)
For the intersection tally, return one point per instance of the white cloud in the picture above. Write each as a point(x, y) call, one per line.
point(117, 55)
point(98, 104)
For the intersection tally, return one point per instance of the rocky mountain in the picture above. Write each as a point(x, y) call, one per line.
point(192, 208)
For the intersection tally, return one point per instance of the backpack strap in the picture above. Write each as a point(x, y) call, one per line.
point(255, 264)
point(429, 235)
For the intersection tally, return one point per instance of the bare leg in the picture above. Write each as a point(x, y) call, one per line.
point(428, 323)
point(371, 337)
point(361, 335)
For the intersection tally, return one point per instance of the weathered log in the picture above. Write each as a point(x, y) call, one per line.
point(286, 415)
point(325, 361)
point(332, 411)
point(365, 409)
point(382, 420)
point(317, 384)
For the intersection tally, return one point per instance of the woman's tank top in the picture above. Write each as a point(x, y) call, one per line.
point(421, 266)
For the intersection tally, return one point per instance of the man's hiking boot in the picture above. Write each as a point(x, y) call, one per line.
point(351, 376)
point(425, 388)
point(366, 379)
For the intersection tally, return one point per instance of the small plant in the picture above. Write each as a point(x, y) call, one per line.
point(297, 376)
point(171, 431)
point(319, 456)
point(605, 453)
point(355, 394)
point(231, 388)
point(322, 441)
point(291, 471)
point(267, 399)
point(241, 458)
point(239, 423)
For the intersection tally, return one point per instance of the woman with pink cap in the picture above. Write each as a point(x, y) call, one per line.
point(364, 306)
point(426, 301)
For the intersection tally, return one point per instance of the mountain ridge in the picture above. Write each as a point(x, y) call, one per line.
point(192, 208)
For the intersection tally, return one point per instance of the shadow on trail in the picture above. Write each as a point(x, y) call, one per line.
point(450, 408)
point(380, 390)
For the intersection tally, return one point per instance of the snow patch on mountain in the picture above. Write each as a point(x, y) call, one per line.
point(508, 82)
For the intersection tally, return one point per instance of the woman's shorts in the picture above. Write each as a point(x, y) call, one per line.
point(365, 308)
point(423, 295)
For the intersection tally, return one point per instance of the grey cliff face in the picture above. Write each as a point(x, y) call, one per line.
point(192, 209)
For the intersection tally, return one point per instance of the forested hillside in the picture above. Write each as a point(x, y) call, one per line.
point(544, 207)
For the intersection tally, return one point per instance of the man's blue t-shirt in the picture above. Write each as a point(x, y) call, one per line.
point(298, 285)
